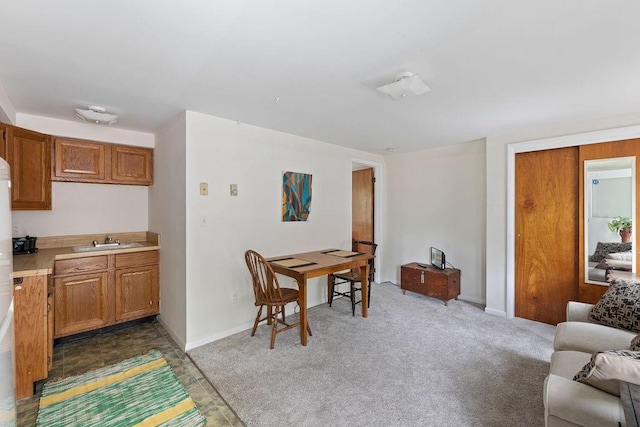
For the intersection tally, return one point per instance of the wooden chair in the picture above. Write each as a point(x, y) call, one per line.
point(352, 277)
point(269, 294)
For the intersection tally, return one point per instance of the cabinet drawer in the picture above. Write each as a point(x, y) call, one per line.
point(81, 265)
point(136, 258)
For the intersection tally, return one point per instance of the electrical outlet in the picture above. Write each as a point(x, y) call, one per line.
point(234, 297)
point(204, 221)
point(233, 189)
point(204, 189)
point(16, 230)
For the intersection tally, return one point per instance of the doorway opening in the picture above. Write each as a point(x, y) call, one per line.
point(366, 206)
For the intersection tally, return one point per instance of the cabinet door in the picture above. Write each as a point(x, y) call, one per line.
point(3, 141)
point(131, 165)
point(82, 303)
point(136, 292)
point(30, 300)
point(438, 284)
point(413, 279)
point(79, 161)
point(29, 155)
point(50, 305)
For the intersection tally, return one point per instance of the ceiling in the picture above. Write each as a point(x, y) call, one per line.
point(310, 68)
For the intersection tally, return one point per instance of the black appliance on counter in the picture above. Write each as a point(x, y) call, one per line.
point(24, 245)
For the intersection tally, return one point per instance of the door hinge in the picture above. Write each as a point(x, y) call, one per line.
point(48, 360)
point(151, 302)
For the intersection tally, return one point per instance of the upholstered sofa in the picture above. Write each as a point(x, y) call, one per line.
point(571, 403)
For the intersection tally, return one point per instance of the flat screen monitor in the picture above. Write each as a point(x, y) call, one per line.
point(438, 258)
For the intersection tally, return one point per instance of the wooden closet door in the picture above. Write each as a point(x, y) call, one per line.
point(546, 216)
point(588, 292)
point(362, 204)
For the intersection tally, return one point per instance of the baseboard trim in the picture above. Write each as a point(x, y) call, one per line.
point(211, 338)
point(171, 333)
point(471, 299)
point(494, 312)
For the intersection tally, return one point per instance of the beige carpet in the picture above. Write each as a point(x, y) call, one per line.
point(412, 362)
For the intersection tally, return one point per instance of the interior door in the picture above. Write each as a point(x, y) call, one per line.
point(546, 217)
point(362, 204)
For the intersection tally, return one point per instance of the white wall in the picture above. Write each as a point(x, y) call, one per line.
point(167, 216)
point(436, 198)
point(86, 208)
point(499, 265)
point(223, 152)
point(7, 110)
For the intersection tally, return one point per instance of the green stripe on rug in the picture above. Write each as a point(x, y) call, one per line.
point(141, 391)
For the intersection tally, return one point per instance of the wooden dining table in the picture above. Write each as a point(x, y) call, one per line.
point(303, 266)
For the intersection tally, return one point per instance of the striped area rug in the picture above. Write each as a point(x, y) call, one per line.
point(141, 391)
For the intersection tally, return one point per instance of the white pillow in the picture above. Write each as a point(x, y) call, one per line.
point(622, 256)
point(606, 368)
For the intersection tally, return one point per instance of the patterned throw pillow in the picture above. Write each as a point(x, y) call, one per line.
point(635, 344)
point(606, 368)
point(604, 248)
point(619, 306)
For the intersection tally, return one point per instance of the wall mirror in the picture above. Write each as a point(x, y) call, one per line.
point(609, 193)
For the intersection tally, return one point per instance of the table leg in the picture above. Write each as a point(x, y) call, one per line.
point(364, 274)
point(302, 288)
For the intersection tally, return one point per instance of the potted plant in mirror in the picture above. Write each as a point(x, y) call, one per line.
point(621, 225)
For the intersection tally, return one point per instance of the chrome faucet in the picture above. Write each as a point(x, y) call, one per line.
point(108, 240)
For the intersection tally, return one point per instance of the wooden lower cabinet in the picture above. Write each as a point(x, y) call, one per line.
point(136, 292)
point(33, 340)
point(430, 281)
point(124, 287)
point(83, 303)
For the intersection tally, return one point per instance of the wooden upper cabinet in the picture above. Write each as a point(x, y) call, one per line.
point(3, 141)
point(131, 165)
point(79, 160)
point(29, 156)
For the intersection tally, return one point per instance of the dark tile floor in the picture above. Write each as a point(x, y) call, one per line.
point(80, 356)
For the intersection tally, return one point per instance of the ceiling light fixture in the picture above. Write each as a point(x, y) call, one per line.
point(406, 84)
point(96, 115)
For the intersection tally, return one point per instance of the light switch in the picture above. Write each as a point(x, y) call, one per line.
point(204, 189)
point(234, 189)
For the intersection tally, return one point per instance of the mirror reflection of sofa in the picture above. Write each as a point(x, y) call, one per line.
point(609, 256)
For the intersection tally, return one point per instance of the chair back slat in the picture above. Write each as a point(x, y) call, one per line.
point(265, 283)
point(367, 248)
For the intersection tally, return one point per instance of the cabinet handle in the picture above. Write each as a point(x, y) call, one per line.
point(422, 277)
point(18, 280)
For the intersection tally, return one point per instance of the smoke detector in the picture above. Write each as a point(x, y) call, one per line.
point(97, 115)
point(406, 84)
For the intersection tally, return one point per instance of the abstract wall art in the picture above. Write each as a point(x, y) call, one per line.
point(296, 196)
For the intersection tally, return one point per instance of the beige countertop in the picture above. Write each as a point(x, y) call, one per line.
point(51, 249)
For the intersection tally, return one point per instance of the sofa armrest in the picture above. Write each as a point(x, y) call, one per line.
point(580, 404)
point(578, 311)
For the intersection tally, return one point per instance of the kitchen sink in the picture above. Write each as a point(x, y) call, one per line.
point(91, 248)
